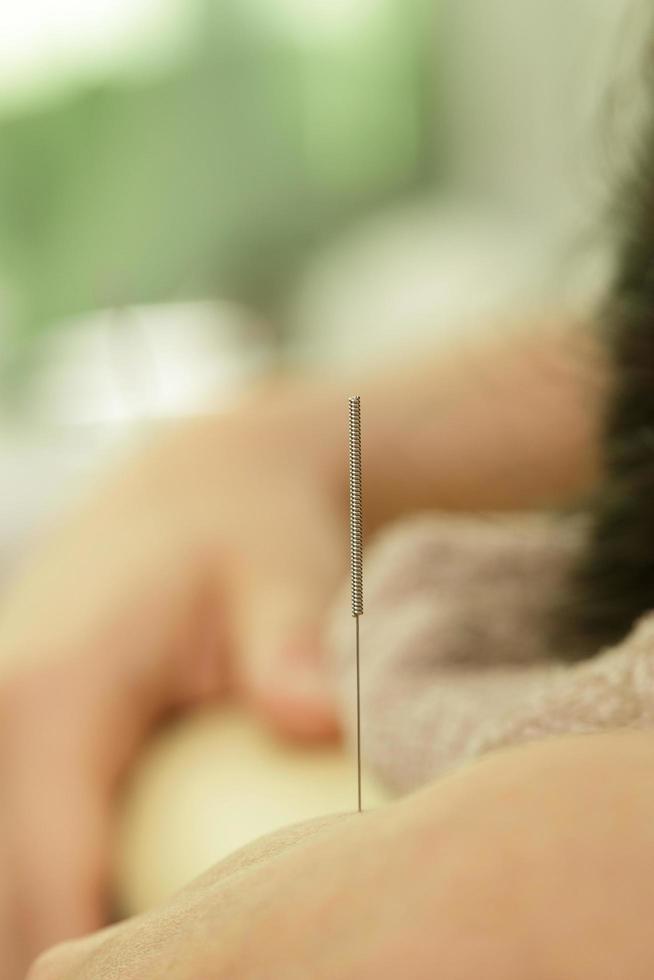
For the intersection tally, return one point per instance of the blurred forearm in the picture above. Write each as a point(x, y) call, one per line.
point(510, 421)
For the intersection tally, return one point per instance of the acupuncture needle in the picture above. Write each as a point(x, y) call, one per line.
point(356, 552)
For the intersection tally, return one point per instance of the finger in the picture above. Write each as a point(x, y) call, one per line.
point(280, 610)
point(57, 821)
point(61, 875)
point(282, 671)
point(12, 965)
point(281, 592)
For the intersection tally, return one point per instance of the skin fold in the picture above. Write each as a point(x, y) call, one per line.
point(533, 864)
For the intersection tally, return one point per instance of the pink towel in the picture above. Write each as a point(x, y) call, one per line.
point(457, 654)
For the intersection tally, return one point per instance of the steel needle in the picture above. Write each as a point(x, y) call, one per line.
point(356, 549)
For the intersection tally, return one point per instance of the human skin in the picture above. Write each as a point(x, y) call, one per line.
point(203, 568)
point(533, 864)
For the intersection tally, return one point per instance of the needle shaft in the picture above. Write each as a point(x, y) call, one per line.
point(356, 543)
point(358, 720)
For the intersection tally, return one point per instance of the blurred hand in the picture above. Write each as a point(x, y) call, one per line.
point(202, 570)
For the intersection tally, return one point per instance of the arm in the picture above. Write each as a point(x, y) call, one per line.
point(506, 422)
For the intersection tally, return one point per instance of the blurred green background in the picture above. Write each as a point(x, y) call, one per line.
point(215, 171)
point(353, 175)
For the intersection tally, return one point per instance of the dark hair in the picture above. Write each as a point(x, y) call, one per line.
point(614, 581)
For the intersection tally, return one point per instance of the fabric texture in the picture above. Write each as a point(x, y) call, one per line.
point(457, 657)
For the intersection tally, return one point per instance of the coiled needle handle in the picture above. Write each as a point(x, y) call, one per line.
point(356, 550)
